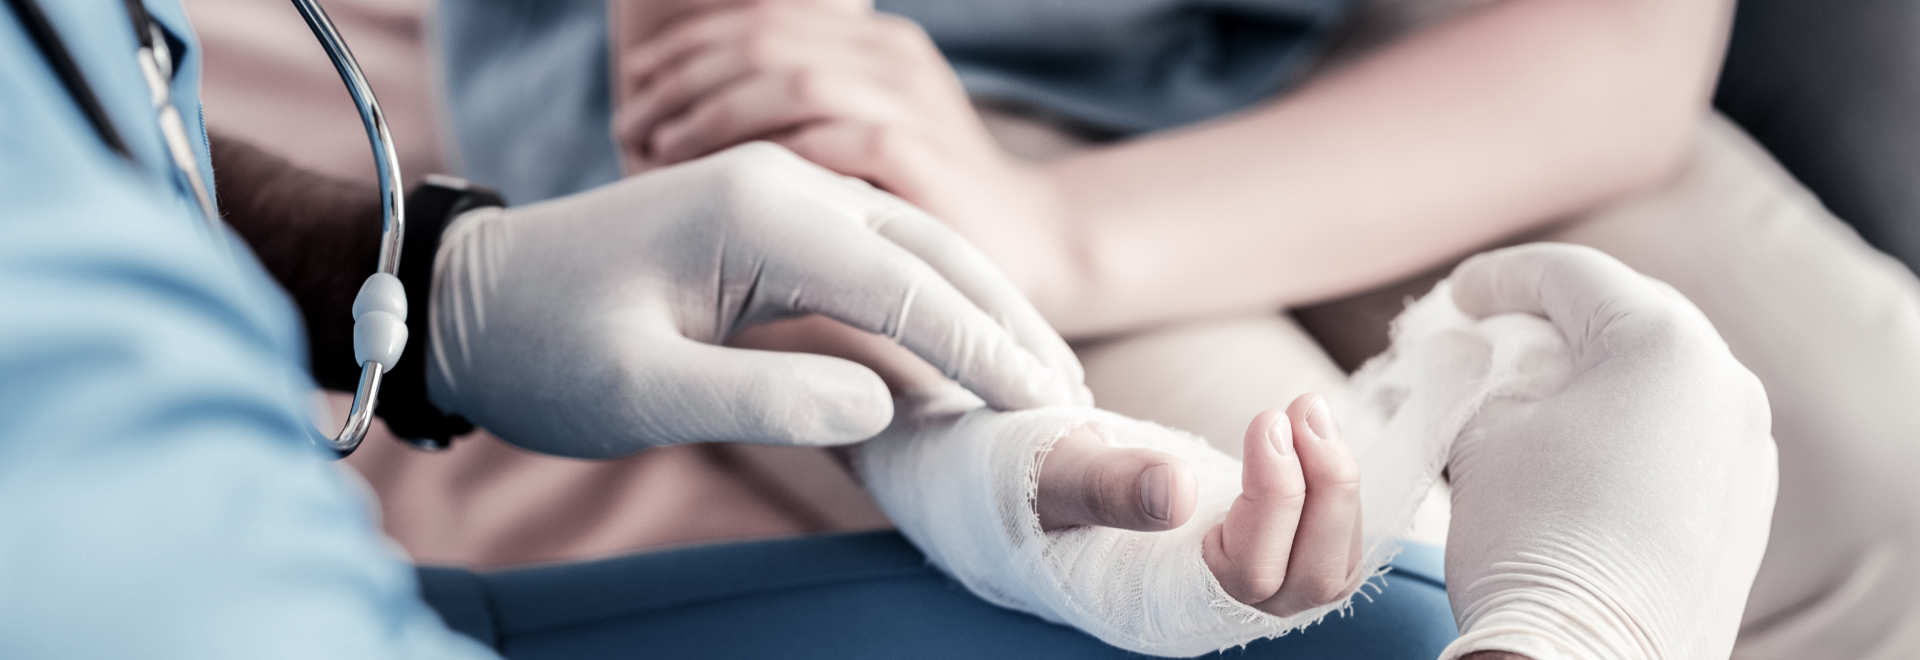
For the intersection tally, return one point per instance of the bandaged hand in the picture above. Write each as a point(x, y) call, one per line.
point(1624, 515)
point(862, 93)
point(587, 325)
point(1611, 466)
point(980, 492)
point(1290, 541)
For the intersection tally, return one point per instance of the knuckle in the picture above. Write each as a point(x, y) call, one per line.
point(760, 50)
point(887, 146)
point(901, 31)
point(708, 120)
point(1109, 498)
point(909, 28)
point(627, 129)
point(1104, 508)
point(667, 82)
point(1662, 327)
point(1250, 587)
point(1666, 337)
point(808, 88)
point(1290, 494)
point(1322, 589)
point(1339, 475)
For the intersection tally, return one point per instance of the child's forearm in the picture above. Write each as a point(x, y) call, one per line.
point(1441, 144)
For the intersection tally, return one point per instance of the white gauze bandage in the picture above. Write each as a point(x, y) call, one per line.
point(960, 480)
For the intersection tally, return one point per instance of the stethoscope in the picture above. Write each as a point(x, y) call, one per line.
point(380, 309)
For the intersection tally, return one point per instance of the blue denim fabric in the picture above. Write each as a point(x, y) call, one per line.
point(1127, 66)
point(528, 98)
point(869, 595)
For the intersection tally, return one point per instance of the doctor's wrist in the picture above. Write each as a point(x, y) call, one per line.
point(317, 235)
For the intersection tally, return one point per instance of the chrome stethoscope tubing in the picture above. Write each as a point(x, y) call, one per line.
point(380, 308)
point(393, 222)
point(156, 65)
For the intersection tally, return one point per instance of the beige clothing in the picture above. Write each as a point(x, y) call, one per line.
point(1831, 327)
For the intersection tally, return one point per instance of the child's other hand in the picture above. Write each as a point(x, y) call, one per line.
point(827, 74)
point(1291, 541)
point(861, 93)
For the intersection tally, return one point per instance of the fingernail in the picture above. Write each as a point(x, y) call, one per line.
point(1320, 420)
point(1280, 435)
point(1156, 492)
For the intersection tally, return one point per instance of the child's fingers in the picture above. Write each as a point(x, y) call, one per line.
point(1249, 552)
point(1324, 546)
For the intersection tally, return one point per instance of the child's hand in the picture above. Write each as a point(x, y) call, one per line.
point(861, 93)
point(825, 77)
point(1291, 541)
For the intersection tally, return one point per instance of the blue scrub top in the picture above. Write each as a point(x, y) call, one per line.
point(159, 496)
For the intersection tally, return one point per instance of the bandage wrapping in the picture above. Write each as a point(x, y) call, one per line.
point(960, 481)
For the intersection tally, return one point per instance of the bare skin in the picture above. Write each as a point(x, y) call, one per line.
point(1428, 149)
point(1291, 541)
point(317, 235)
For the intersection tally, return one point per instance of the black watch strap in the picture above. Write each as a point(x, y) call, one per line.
point(403, 398)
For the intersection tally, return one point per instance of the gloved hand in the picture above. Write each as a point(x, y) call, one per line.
point(586, 326)
point(1625, 515)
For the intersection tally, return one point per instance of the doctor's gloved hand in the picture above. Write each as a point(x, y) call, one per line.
point(1623, 516)
point(589, 325)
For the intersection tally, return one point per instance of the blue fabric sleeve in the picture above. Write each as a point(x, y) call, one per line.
point(161, 499)
point(527, 94)
point(1128, 66)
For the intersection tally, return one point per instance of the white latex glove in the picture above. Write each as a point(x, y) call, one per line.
point(586, 326)
point(1625, 515)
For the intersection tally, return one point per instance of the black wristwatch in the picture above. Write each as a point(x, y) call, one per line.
point(403, 399)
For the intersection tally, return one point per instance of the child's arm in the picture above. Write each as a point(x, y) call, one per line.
point(1461, 135)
